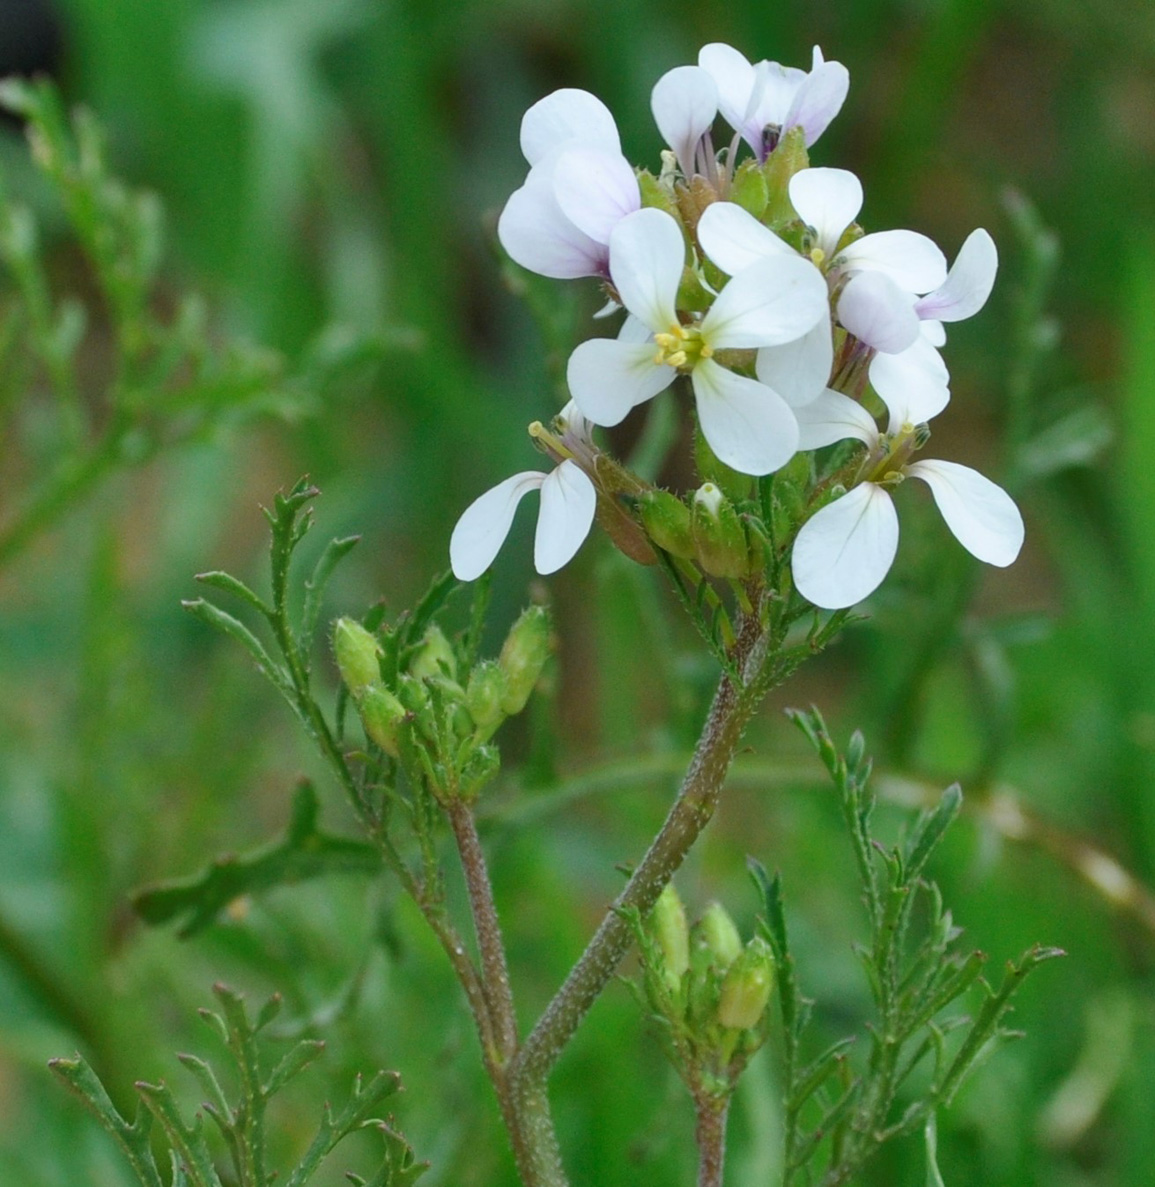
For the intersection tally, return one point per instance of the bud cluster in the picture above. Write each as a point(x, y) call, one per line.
point(426, 704)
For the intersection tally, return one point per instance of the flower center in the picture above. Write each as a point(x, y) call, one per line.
point(681, 347)
point(890, 469)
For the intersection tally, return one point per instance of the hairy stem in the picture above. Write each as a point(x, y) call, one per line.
point(710, 1134)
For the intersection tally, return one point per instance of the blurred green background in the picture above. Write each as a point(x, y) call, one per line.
point(340, 161)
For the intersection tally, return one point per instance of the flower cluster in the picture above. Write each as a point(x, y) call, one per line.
point(748, 277)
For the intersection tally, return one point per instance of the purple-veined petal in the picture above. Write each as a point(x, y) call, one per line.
point(912, 385)
point(537, 235)
point(914, 262)
point(733, 76)
point(844, 551)
point(481, 531)
point(734, 239)
point(607, 377)
point(684, 102)
point(647, 254)
point(568, 502)
point(827, 200)
point(798, 371)
point(771, 302)
point(819, 99)
point(834, 417)
point(748, 426)
point(968, 284)
point(876, 311)
point(567, 114)
point(595, 190)
point(980, 514)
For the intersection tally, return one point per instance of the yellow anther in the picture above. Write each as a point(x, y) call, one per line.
point(706, 352)
point(536, 429)
point(665, 341)
point(818, 256)
point(660, 358)
point(677, 359)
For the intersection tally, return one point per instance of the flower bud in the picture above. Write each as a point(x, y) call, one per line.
point(523, 656)
point(732, 483)
point(788, 157)
point(434, 657)
point(483, 697)
point(747, 987)
point(667, 520)
point(716, 932)
point(720, 543)
point(749, 189)
point(381, 714)
point(357, 653)
point(668, 923)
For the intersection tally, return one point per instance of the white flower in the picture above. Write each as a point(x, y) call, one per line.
point(844, 551)
point(684, 102)
point(579, 185)
point(763, 102)
point(568, 503)
point(747, 424)
point(965, 290)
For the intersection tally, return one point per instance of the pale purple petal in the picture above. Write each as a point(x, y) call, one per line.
point(734, 239)
point(568, 502)
point(827, 200)
point(968, 284)
point(647, 255)
point(982, 516)
point(912, 385)
point(608, 377)
point(565, 115)
point(537, 235)
point(800, 370)
point(684, 102)
point(911, 260)
point(818, 100)
point(834, 417)
point(748, 426)
point(876, 311)
point(480, 532)
point(595, 190)
point(843, 552)
point(733, 76)
point(771, 302)
point(775, 87)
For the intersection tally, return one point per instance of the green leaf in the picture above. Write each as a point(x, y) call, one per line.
point(423, 613)
point(230, 584)
point(304, 1053)
point(929, 831)
point(187, 1140)
point(224, 621)
point(335, 552)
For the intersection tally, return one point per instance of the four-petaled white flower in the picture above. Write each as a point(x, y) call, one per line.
point(748, 425)
point(568, 503)
point(844, 551)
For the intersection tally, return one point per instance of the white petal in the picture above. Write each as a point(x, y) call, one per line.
point(968, 284)
point(481, 531)
point(684, 102)
point(775, 89)
point(568, 114)
point(748, 426)
point(734, 239)
point(911, 260)
point(633, 329)
point(538, 236)
point(608, 377)
point(647, 254)
point(844, 551)
point(733, 76)
point(982, 516)
point(933, 331)
point(834, 417)
point(800, 370)
point(568, 502)
point(818, 100)
point(912, 385)
point(595, 190)
point(827, 200)
point(874, 309)
point(771, 302)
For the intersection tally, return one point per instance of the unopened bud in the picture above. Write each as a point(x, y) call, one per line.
point(668, 922)
point(718, 934)
point(483, 696)
point(357, 653)
point(732, 483)
point(434, 657)
point(667, 520)
point(747, 987)
point(788, 157)
point(381, 714)
point(749, 189)
point(523, 656)
point(720, 543)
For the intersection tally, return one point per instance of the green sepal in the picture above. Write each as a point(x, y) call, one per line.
point(667, 520)
point(750, 189)
point(732, 483)
point(788, 157)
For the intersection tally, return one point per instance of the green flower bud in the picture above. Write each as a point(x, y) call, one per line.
point(667, 520)
point(434, 657)
point(716, 932)
point(668, 923)
point(749, 189)
point(788, 157)
point(487, 689)
point(747, 987)
point(733, 484)
point(653, 193)
point(526, 648)
point(357, 653)
point(720, 543)
point(381, 715)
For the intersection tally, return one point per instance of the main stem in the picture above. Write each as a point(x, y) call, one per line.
point(710, 1133)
